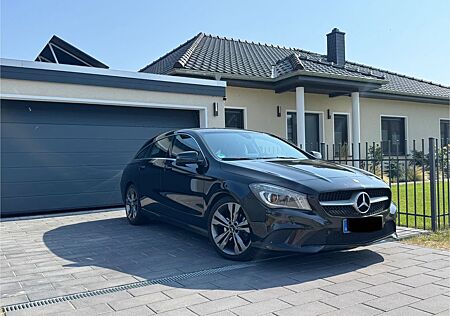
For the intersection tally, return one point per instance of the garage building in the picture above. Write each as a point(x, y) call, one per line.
point(68, 131)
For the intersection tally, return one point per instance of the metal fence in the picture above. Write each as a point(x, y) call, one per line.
point(417, 172)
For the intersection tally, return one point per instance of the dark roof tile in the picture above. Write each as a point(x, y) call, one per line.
point(229, 56)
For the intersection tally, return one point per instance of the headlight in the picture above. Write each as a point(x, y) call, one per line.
point(274, 196)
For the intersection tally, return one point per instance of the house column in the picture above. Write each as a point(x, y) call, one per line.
point(300, 107)
point(356, 130)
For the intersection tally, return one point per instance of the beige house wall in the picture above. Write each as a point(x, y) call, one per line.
point(422, 119)
point(61, 92)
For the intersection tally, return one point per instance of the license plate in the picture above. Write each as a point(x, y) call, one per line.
point(362, 225)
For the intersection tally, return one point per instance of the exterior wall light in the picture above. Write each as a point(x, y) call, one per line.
point(216, 109)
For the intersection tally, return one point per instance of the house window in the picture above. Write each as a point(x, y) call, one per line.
point(312, 130)
point(393, 138)
point(291, 121)
point(340, 134)
point(234, 118)
point(445, 132)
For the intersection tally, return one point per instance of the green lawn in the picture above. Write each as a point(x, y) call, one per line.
point(407, 202)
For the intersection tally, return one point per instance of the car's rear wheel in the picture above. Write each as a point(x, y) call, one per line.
point(229, 230)
point(133, 207)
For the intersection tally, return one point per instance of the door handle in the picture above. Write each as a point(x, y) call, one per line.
point(141, 167)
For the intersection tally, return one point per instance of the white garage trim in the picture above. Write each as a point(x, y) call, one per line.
point(203, 109)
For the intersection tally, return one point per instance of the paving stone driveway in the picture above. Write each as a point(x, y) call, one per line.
point(54, 256)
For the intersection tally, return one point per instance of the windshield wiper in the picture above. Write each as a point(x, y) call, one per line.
point(280, 157)
point(254, 158)
point(237, 158)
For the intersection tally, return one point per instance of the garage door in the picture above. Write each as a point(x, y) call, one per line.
point(58, 156)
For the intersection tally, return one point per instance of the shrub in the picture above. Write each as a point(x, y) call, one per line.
point(375, 154)
point(400, 172)
point(418, 157)
point(414, 175)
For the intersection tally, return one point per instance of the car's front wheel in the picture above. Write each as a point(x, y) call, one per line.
point(133, 206)
point(229, 230)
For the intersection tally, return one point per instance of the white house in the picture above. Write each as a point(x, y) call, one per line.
point(311, 98)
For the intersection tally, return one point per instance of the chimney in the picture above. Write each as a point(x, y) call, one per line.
point(336, 47)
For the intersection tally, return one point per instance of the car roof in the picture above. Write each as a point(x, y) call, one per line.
point(215, 130)
point(198, 131)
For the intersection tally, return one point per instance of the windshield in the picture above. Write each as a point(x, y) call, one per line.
point(249, 145)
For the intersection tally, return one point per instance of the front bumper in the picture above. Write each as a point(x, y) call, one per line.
point(314, 231)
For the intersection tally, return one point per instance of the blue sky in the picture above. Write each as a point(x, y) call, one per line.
point(407, 36)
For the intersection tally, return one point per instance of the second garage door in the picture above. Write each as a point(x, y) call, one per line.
point(58, 156)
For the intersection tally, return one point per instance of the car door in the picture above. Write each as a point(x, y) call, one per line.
point(183, 185)
point(151, 171)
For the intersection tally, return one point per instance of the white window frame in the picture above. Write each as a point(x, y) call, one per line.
point(321, 123)
point(406, 129)
point(244, 112)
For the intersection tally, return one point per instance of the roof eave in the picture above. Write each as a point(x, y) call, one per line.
point(217, 75)
point(296, 73)
point(403, 96)
point(301, 72)
point(369, 87)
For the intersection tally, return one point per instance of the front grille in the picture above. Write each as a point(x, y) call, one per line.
point(346, 195)
point(349, 210)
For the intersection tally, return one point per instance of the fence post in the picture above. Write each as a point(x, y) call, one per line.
point(322, 150)
point(432, 163)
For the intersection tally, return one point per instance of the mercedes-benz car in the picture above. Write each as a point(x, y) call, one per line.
point(248, 190)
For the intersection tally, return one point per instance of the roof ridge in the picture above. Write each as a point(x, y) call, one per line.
point(170, 52)
point(260, 44)
point(398, 74)
point(182, 61)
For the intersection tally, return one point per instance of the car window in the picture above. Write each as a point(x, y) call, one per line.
point(160, 149)
point(249, 145)
point(184, 143)
point(141, 154)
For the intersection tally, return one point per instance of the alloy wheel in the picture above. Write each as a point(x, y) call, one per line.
point(230, 229)
point(131, 205)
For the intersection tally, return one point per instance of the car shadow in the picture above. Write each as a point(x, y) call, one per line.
point(157, 250)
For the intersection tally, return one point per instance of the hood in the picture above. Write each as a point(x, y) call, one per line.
point(318, 174)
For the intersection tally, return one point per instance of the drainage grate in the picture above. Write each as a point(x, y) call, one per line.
point(129, 286)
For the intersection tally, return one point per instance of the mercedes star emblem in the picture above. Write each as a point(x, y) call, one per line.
point(362, 202)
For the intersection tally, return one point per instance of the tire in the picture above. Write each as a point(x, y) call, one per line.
point(133, 210)
point(232, 239)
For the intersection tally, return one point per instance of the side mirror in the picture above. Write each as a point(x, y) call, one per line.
point(187, 157)
point(316, 154)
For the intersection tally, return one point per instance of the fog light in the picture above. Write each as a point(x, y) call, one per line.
point(392, 209)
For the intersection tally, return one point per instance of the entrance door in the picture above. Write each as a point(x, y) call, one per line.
point(312, 130)
point(312, 137)
point(340, 134)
